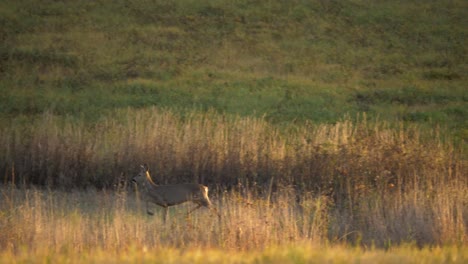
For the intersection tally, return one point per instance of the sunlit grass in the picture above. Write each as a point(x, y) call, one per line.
point(91, 226)
point(375, 182)
point(291, 254)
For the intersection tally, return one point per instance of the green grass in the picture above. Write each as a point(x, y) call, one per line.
point(289, 255)
point(300, 61)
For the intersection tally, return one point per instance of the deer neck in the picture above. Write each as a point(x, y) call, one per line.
point(149, 183)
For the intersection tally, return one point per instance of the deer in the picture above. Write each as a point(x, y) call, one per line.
point(170, 195)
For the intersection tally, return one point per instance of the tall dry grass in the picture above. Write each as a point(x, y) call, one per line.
point(361, 182)
point(81, 221)
point(45, 226)
point(34, 221)
point(223, 150)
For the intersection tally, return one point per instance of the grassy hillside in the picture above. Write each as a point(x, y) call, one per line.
point(287, 60)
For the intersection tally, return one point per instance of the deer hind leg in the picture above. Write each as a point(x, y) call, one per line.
point(166, 213)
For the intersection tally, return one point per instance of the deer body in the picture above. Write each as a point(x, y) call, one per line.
point(169, 195)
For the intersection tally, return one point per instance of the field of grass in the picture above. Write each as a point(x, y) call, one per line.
point(354, 184)
point(97, 226)
point(286, 60)
point(327, 131)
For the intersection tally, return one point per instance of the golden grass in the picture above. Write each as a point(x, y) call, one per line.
point(291, 254)
point(58, 221)
point(97, 226)
point(365, 183)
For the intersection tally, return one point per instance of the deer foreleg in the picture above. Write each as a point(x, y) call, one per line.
point(147, 208)
point(196, 207)
point(216, 211)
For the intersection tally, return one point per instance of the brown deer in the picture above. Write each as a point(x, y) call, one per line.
point(169, 195)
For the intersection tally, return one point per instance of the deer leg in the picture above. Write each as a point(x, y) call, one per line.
point(196, 207)
point(216, 212)
point(166, 213)
point(147, 208)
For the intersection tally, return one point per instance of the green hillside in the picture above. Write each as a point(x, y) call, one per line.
point(285, 60)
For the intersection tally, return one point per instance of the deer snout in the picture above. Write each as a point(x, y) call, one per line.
point(133, 180)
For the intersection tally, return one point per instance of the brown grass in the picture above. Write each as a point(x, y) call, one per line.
point(367, 183)
point(84, 220)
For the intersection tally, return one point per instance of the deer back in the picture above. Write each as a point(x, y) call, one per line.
point(180, 193)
